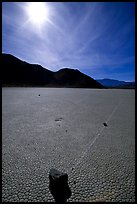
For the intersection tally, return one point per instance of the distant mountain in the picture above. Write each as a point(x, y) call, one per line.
point(112, 83)
point(16, 72)
point(127, 85)
point(74, 78)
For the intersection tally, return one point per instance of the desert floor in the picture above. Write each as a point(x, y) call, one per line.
point(62, 128)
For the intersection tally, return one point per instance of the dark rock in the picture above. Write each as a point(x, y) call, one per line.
point(105, 124)
point(39, 95)
point(58, 185)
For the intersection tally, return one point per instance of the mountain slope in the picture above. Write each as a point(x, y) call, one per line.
point(74, 78)
point(15, 71)
point(20, 73)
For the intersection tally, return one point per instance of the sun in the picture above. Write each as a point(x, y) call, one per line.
point(38, 13)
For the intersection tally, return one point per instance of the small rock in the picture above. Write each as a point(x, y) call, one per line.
point(39, 95)
point(105, 124)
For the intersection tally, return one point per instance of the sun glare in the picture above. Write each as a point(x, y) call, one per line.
point(38, 13)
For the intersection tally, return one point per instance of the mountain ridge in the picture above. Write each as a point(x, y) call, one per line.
point(16, 72)
point(113, 83)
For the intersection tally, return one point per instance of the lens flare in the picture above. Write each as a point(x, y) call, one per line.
point(38, 13)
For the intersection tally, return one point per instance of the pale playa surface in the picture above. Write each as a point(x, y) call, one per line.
point(63, 129)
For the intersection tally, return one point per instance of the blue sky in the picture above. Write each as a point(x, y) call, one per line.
point(98, 38)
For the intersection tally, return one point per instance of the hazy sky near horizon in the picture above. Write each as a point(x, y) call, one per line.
point(98, 38)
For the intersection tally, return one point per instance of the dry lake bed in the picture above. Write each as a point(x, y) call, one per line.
point(63, 128)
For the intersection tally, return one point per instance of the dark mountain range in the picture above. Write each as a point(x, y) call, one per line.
point(111, 83)
point(130, 85)
point(73, 77)
point(16, 72)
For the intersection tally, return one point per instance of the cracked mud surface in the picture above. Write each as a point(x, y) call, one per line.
point(63, 129)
